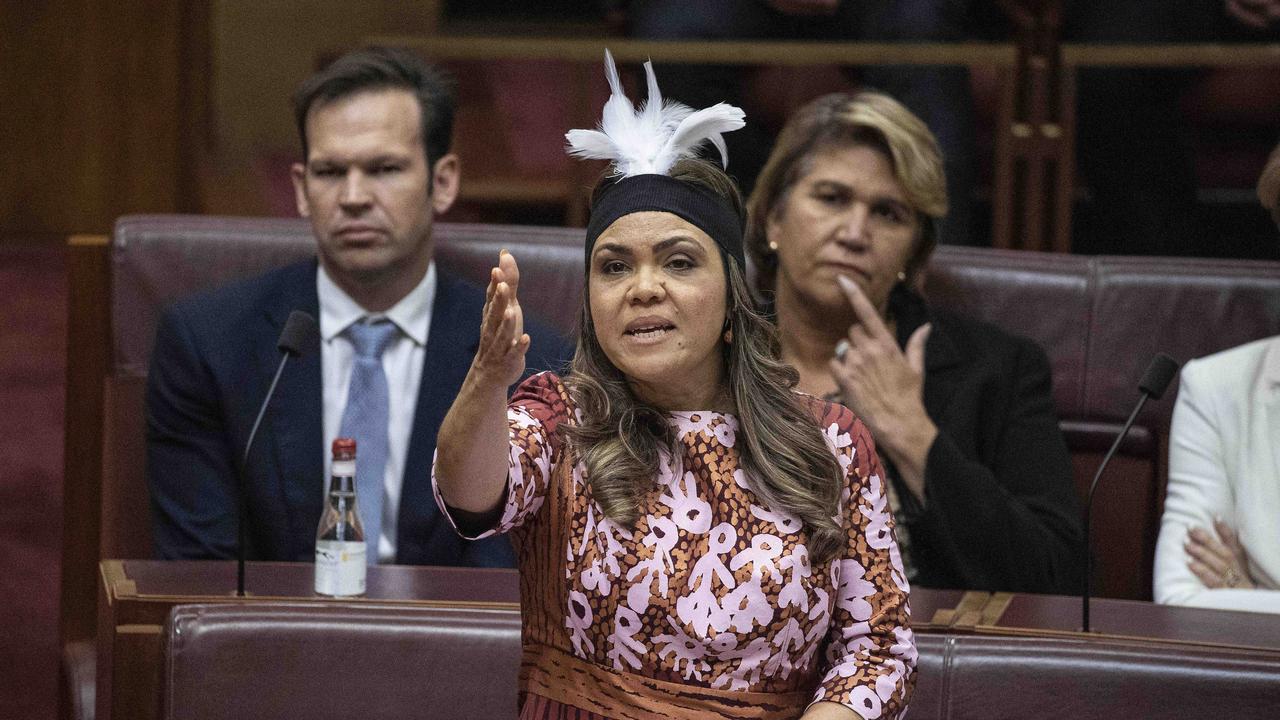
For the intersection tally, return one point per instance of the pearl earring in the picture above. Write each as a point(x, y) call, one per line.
point(902, 276)
point(773, 245)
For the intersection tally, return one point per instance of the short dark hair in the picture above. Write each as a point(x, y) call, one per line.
point(381, 68)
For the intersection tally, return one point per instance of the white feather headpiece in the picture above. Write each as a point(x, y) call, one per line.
point(650, 140)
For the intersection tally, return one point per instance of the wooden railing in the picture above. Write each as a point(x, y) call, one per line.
point(1034, 168)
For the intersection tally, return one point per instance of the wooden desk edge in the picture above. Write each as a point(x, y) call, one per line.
point(174, 600)
point(730, 52)
point(968, 612)
point(994, 609)
point(963, 612)
point(805, 53)
point(1078, 635)
point(1172, 55)
point(116, 581)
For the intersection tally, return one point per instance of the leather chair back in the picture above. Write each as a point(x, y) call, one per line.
point(157, 259)
point(1088, 678)
point(262, 660)
point(1100, 320)
point(249, 661)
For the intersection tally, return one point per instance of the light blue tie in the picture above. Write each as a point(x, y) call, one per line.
point(365, 419)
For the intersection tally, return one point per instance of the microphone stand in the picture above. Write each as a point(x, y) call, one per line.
point(1088, 508)
point(300, 332)
point(244, 499)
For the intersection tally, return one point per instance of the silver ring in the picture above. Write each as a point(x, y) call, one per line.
point(842, 347)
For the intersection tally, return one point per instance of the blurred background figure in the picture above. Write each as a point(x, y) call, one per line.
point(939, 94)
point(1217, 545)
point(843, 218)
point(1136, 147)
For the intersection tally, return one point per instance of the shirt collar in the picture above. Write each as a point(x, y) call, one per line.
point(411, 314)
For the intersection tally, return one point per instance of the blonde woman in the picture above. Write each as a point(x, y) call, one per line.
point(842, 221)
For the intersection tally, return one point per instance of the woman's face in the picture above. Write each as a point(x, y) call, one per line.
point(657, 291)
point(847, 215)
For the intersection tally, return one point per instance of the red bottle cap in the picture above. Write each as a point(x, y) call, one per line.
point(344, 449)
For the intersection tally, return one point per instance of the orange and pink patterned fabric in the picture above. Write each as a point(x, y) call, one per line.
point(710, 603)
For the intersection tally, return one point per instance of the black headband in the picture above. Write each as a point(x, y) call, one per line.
point(703, 208)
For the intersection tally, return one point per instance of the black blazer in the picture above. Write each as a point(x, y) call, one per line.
point(1000, 510)
point(214, 357)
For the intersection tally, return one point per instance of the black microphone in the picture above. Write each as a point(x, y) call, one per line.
point(300, 332)
point(1152, 385)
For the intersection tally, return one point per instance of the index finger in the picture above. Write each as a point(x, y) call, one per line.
point(1226, 532)
point(866, 313)
point(510, 270)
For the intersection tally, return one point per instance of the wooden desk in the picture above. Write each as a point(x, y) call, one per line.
point(1057, 615)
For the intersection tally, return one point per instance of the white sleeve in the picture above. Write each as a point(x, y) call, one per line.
point(1198, 491)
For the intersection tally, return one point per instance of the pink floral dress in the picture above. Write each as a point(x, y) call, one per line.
point(709, 604)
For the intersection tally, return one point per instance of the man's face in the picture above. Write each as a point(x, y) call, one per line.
point(368, 191)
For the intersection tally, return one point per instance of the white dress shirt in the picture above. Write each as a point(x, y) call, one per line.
point(402, 362)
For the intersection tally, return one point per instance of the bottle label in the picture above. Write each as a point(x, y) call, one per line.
point(340, 567)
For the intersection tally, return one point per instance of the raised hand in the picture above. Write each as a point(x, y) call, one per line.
point(503, 341)
point(1218, 561)
point(885, 386)
point(471, 449)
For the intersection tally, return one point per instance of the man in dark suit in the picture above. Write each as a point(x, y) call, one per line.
point(375, 128)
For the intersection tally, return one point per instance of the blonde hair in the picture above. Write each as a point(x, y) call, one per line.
point(782, 450)
point(867, 118)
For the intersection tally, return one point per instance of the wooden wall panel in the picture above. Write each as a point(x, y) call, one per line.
point(93, 111)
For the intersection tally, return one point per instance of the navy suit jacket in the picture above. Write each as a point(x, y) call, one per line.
point(214, 357)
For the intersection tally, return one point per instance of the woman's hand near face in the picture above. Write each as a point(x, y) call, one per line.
point(472, 448)
point(885, 387)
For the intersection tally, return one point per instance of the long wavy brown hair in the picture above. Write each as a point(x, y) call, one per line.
point(782, 451)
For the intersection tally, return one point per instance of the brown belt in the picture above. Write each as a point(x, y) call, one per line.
point(570, 680)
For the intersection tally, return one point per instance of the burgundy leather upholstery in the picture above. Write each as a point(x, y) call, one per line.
point(961, 677)
point(268, 661)
point(1100, 320)
point(157, 259)
point(249, 661)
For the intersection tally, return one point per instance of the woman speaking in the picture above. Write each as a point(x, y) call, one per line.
point(694, 538)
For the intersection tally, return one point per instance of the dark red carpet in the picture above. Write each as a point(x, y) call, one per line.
point(33, 321)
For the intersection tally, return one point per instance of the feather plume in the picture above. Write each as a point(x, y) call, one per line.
point(652, 139)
